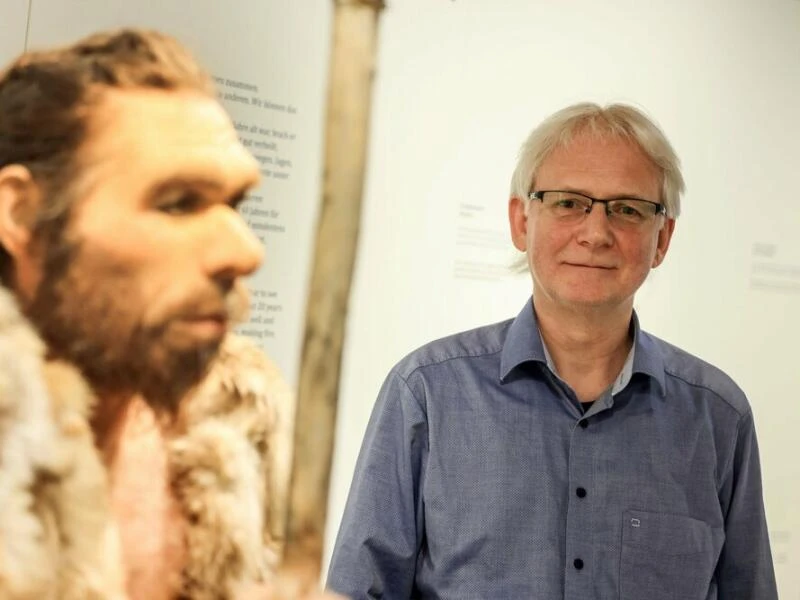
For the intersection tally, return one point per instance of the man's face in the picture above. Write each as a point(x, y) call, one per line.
point(591, 264)
point(143, 281)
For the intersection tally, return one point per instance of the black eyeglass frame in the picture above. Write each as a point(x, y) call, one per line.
point(661, 209)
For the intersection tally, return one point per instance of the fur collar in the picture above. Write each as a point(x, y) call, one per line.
point(228, 470)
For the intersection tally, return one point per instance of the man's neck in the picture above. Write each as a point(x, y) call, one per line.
point(123, 416)
point(587, 347)
point(134, 440)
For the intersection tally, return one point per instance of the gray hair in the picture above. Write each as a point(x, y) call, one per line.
point(619, 120)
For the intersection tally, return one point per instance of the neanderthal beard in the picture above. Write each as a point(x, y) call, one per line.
point(89, 312)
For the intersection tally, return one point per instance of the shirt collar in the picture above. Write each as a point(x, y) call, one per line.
point(625, 374)
point(648, 358)
point(524, 344)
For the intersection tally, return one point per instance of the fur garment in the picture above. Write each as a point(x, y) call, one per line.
point(228, 469)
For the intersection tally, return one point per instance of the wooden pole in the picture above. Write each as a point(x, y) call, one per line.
point(352, 70)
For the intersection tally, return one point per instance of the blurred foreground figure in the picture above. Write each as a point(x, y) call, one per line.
point(143, 452)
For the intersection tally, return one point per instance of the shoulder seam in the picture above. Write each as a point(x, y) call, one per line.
point(413, 395)
point(732, 449)
point(707, 388)
point(448, 359)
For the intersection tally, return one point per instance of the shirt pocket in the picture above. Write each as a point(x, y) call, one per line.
point(665, 557)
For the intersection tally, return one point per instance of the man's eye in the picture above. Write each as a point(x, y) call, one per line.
point(569, 204)
point(185, 204)
point(626, 210)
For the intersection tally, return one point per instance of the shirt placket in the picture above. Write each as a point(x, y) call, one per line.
point(579, 556)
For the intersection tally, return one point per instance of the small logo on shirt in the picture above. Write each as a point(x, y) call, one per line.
point(636, 523)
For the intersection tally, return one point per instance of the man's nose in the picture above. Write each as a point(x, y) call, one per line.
point(595, 228)
point(233, 250)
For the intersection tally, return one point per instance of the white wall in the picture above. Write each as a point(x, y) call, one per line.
point(459, 85)
point(13, 23)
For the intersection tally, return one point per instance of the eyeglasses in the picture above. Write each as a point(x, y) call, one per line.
point(572, 207)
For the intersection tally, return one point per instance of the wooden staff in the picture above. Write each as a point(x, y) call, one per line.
point(351, 73)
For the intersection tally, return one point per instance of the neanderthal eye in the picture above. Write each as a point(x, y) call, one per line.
point(237, 200)
point(183, 204)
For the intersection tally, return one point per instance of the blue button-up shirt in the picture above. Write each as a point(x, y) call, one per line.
point(481, 478)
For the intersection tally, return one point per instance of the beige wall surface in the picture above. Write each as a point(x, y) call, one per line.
point(13, 23)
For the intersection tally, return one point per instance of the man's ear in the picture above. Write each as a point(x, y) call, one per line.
point(518, 222)
point(664, 238)
point(19, 204)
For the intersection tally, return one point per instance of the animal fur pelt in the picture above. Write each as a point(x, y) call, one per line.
point(228, 468)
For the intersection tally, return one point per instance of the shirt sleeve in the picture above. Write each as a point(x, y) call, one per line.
point(376, 550)
point(745, 570)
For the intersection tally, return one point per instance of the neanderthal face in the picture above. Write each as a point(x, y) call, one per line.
point(140, 283)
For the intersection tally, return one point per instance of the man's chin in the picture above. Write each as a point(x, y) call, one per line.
point(163, 377)
point(181, 370)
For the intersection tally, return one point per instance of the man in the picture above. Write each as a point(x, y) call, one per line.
point(565, 453)
point(142, 447)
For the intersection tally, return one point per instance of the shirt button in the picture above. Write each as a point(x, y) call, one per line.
point(580, 492)
point(578, 563)
point(584, 424)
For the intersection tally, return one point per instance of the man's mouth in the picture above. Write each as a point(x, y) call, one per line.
point(590, 266)
point(208, 326)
